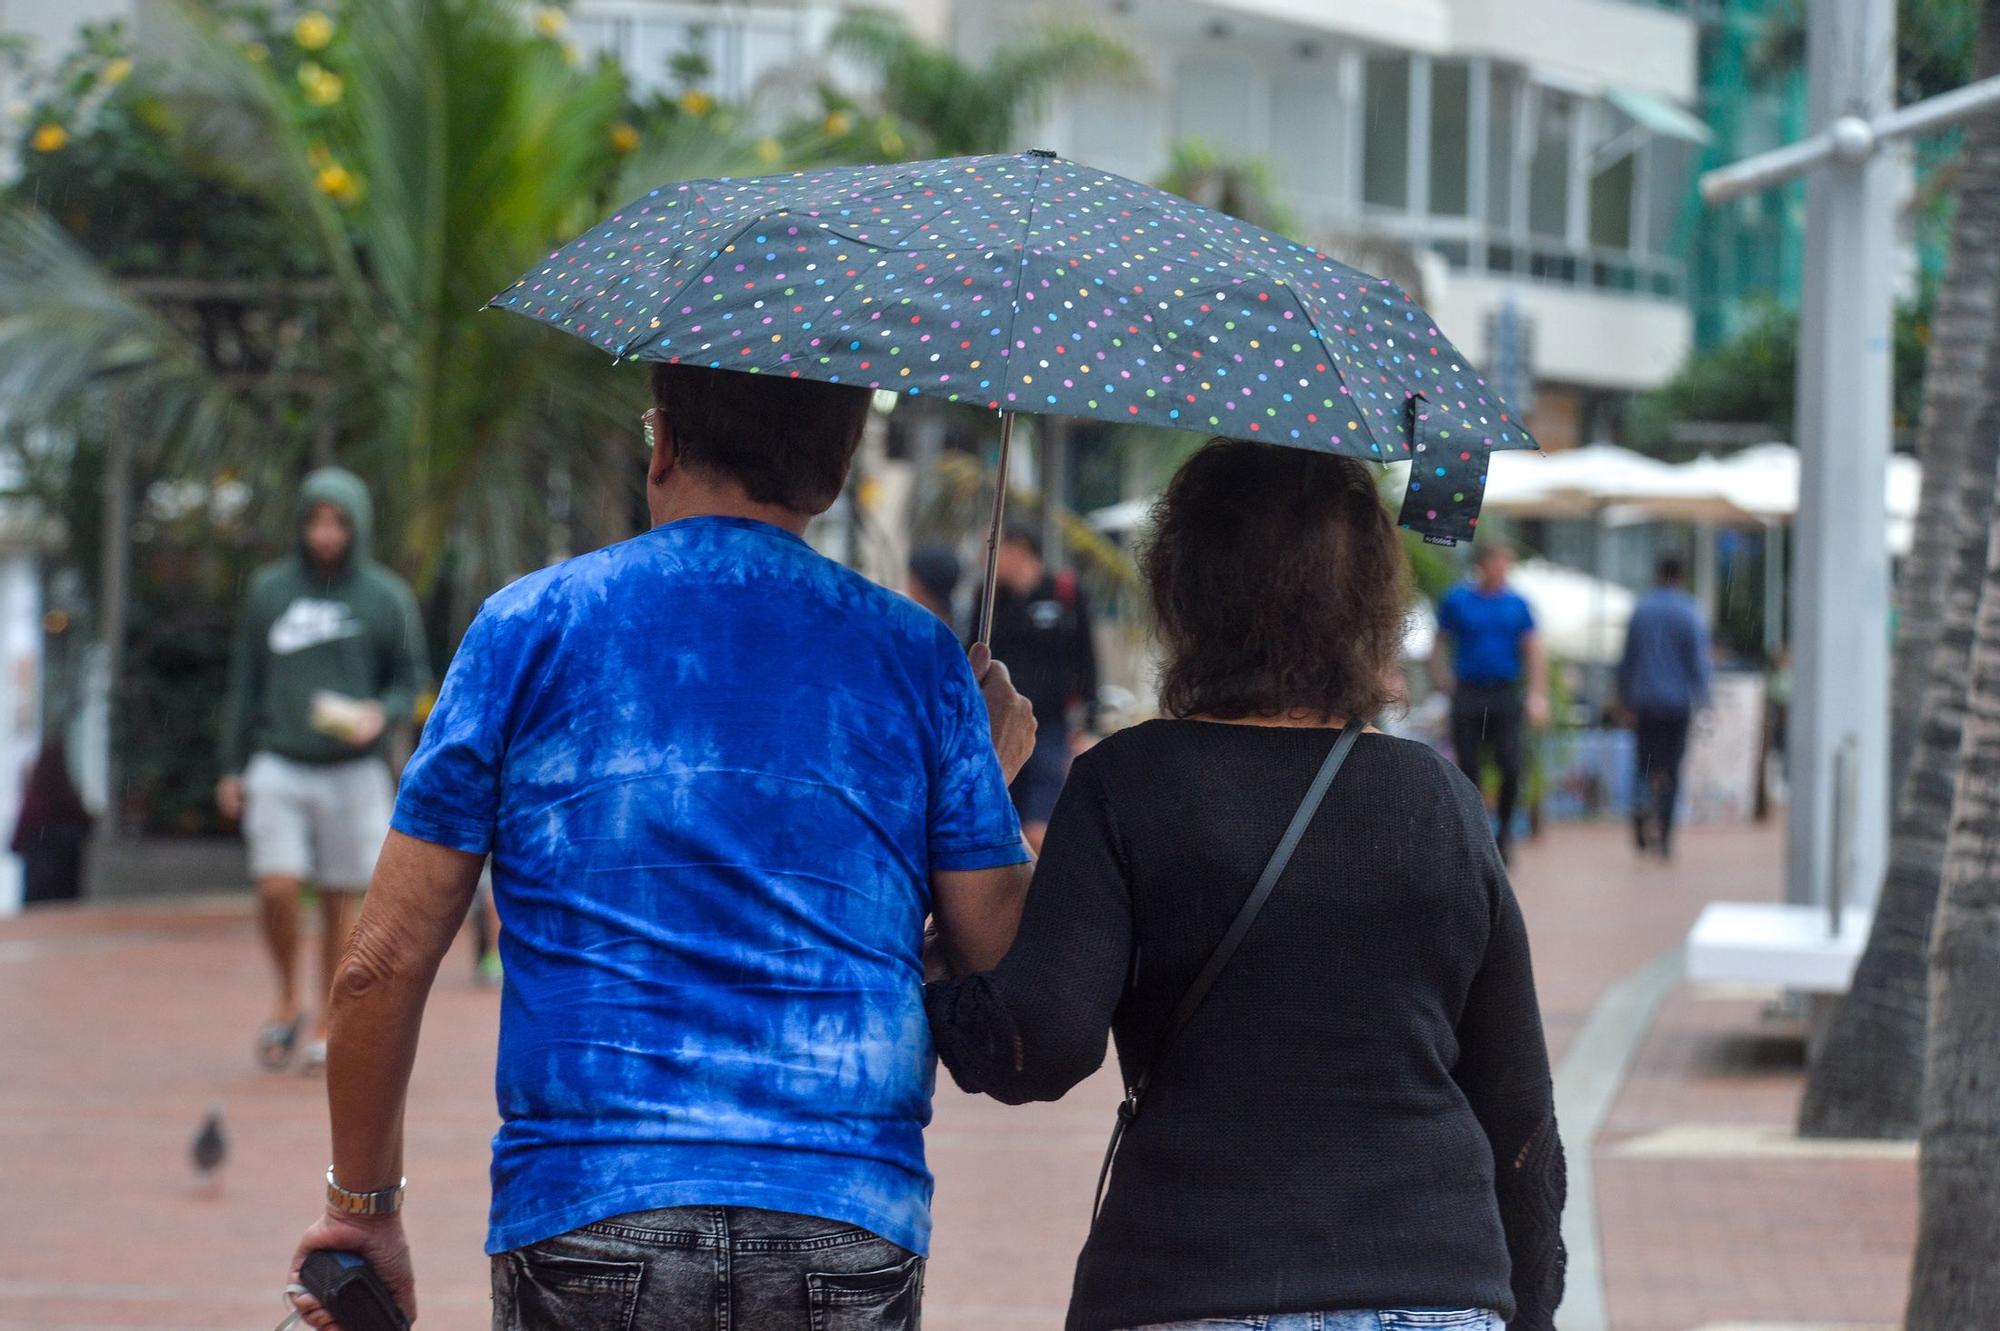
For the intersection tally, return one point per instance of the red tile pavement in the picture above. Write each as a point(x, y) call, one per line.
point(122, 1024)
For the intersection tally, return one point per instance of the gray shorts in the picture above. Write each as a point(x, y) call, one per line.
point(322, 822)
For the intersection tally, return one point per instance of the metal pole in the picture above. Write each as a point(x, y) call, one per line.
point(992, 583)
point(1774, 589)
point(1840, 576)
point(1707, 585)
point(1054, 435)
point(113, 595)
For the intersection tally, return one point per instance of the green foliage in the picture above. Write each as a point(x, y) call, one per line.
point(1196, 171)
point(951, 108)
point(1752, 378)
point(96, 154)
point(1934, 44)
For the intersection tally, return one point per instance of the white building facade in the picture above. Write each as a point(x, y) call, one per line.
point(1536, 151)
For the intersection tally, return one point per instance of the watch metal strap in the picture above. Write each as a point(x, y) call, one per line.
point(383, 1201)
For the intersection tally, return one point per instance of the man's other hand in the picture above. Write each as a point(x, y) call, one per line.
point(1012, 716)
point(1538, 711)
point(229, 798)
point(369, 723)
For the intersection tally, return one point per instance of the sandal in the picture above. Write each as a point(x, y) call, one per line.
point(276, 1041)
point(315, 1058)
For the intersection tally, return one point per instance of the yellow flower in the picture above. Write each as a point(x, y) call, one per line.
point(624, 137)
point(696, 102)
point(313, 30)
point(550, 21)
point(837, 123)
point(323, 86)
point(769, 151)
point(117, 70)
point(49, 138)
point(338, 183)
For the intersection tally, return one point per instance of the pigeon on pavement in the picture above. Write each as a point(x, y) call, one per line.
point(210, 1148)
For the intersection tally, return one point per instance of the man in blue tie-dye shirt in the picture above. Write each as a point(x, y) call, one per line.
point(723, 782)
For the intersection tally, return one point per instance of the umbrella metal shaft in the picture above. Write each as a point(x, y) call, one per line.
point(992, 584)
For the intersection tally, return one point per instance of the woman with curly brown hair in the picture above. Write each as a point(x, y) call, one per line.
point(1350, 1124)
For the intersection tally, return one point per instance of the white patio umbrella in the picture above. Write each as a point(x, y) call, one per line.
point(1578, 617)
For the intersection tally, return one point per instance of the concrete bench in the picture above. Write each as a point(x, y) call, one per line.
point(1793, 947)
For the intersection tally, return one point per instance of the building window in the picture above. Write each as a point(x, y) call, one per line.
point(1549, 164)
point(1611, 204)
point(1451, 138)
point(1307, 152)
point(1502, 147)
point(1385, 132)
point(1213, 103)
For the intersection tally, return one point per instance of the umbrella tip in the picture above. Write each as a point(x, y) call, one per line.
point(1042, 152)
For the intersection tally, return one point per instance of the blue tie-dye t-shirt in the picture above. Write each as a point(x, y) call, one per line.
point(716, 771)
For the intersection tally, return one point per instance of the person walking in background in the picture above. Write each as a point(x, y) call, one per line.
point(723, 780)
point(1041, 629)
point(53, 831)
point(1497, 677)
point(1355, 1129)
point(1663, 680)
point(932, 581)
point(329, 655)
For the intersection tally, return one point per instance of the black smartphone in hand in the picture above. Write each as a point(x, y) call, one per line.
point(348, 1287)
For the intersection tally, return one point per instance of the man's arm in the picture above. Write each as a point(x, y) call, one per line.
point(978, 912)
point(414, 908)
point(1537, 662)
point(1439, 666)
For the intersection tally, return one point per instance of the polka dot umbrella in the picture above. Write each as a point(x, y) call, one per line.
point(1024, 282)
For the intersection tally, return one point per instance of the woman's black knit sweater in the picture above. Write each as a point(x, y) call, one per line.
point(1360, 1115)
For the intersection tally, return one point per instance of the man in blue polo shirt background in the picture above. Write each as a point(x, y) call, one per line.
point(723, 782)
point(1498, 677)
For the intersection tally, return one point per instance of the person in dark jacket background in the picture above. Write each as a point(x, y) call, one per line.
point(1663, 680)
point(328, 658)
point(53, 830)
point(1041, 629)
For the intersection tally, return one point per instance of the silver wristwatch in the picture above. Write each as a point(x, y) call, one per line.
point(383, 1201)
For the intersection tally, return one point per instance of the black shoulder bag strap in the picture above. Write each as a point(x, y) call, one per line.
point(1135, 1093)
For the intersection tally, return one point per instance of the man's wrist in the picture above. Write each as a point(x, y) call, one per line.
point(371, 1204)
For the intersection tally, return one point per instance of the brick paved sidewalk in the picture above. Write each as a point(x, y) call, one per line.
point(122, 1024)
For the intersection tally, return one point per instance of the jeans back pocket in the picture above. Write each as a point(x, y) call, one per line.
point(890, 1299)
point(553, 1293)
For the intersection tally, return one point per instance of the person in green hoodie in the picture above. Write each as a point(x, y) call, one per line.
point(328, 658)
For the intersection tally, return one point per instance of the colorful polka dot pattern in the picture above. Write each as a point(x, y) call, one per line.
point(1019, 283)
point(1447, 479)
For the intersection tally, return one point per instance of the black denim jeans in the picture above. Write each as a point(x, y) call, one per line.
point(1491, 717)
point(702, 1268)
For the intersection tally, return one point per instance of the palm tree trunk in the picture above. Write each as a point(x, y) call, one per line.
point(1956, 1281)
point(1866, 1079)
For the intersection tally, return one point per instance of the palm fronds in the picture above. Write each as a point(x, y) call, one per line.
point(70, 337)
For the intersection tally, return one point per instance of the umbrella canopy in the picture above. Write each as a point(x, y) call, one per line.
point(1019, 283)
point(1026, 283)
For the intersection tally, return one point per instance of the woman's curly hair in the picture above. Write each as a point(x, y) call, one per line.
point(1278, 585)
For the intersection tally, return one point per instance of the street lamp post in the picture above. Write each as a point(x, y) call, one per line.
point(1840, 573)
